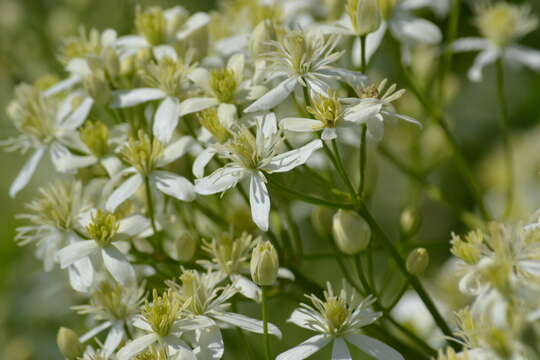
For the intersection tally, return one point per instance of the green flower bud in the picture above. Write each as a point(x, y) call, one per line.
point(98, 88)
point(351, 232)
point(365, 15)
point(69, 344)
point(410, 221)
point(417, 261)
point(321, 218)
point(185, 247)
point(264, 264)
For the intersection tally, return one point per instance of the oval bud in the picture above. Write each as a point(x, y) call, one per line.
point(410, 221)
point(69, 344)
point(264, 264)
point(185, 247)
point(417, 261)
point(351, 232)
point(368, 16)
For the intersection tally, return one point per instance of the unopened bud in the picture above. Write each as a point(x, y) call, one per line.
point(351, 232)
point(258, 41)
point(321, 218)
point(111, 62)
point(98, 88)
point(417, 261)
point(264, 264)
point(410, 221)
point(365, 15)
point(69, 344)
point(185, 247)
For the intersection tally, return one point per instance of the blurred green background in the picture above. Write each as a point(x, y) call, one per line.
point(33, 304)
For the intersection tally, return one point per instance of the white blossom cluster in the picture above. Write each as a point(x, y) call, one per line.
point(167, 143)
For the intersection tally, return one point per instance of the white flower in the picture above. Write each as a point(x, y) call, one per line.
point(501, 24)
point(338, 319)
point(304, 60)
point(251, 157)
point(105, 231)
point(146, 158)
point(373, 105)
point(45, 126)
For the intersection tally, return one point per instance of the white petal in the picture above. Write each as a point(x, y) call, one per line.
point(79, 115)
point(236, 64)
point(201, 78)
point(140, 323)
point(259, 201)
point(76, 251)
point(305, 349)
point(201, 161)
point(81, 275)
point(227, 114)
point(274, 97)
point(486, 57)
point(469, 44)
point(193, 105)
point(291, 159)
point(133, 225)
point(412, 30)
point(26, 172)
point(166, 119)
point(118, 265)
point(301, 124)
point(199, 322)
point(362, 111)
point(132, 41)
point(402, 117)
point(353, 78)
point(94, 331)
point(301, 318)
point(340, 350)
point(329, 134)
point(268, 126)
point(317, 86)
point(284, 273)
point(373, 41)
point(173, 185)
point(523, 55)
point(175, 150)
point(220, 180)
point(246, 287)
point(123, 192)
point(375, 127)
point(62, 85)
point(79, 67)
point(127, 98)
point(211, 345)
point(112, 164)
point(196, 21)
point(114, 338)
point(247, 323)
point(373, 347)
point(136, 346)
point(164, 51)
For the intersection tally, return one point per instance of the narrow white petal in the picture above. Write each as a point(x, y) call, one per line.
point(402, 117)
point(166, 119)
point(118, 265)
point(173, 185)
point(246, 287)
point(247, 323)
point(136, 346)
point(227, 114)
point(362, 111)
point(133, 225)
point(291, 159)
point(329, 134)
point(486, 57)
point(305, 349)
point(375, 126)
point(127, 98)
point(259, 201)
point(469, 44)
point(132, 42)
point(373, 347)
point(62, 85)
point(301, 318)
point(196, 104)
point(196, 21)
point(301, 124)
point(340, 351)
point(201, 78)
point(523, 55)
point(284, 273)
point(199, 322)
point(211, 345)
point(164, 51)
point(236, 63)
point(353, 78)
point(81, 275)
point(76, 251)
point(201, 161)
point(94, 331)
point(176, 150)
point(412, 30)
point(274, 97)
point(114, 338)
point(220, 180)
point(123, 192)
point(79, 115)
point(373, 41)
point(26, 172)
point(140, 323)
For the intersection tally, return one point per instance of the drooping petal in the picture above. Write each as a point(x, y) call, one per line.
point(413, 30)
point(274, 97)
point(81, 275)
point(201, 78)
point(375, 126)
point(220, 180)
point(211, 345)
point(301, 318)
point(26, 172)
point(78, 116)
point(524, 55)
point(136, 346)
point(201, 161)
point(301, 124)
point(118, 265)
point(62, 85)
point(373, 347)
point(94, 331)
point(246, 287)
point(123, 192)
point(196, 104)
point(305, 349)
point(401, 117)
point(353, 78)
point(247, 323)
point(133, 225)
point(362, 111)
point(329, 134)
point(166, 119)
point(114, 338)
point(173, 185)
point(259, 201)
point(227, 114)
point(196, 21)
point(76, 251)
point(127, 98)
point(486, 57)
point(373, 41)
point(340, 351)
point(175, 150)
point(291, 159)
point(469, 44)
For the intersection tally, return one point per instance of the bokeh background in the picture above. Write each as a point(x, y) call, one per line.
point(33, 304)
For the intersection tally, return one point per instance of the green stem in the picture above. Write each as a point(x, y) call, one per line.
point(264, 308)
point(363, 159)
point(341, 168)
point(363, 61)
point(446, 62)
point(505, 129)
point(150, 203)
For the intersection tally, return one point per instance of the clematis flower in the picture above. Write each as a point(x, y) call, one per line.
point(338, 318)
point(105, 231)
point(146, 159)
point(251, 157)
point(501, 25)
point(304, 60)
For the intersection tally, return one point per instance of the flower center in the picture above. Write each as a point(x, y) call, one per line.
point(95, 135)
point(151, 23)
point(326, 109)
point(223, 82)
point(335, 311)
point(103, 227)
point(163, 311)
point(210, 121)
point(194, 290)
point(142, 153)
point(167, 74)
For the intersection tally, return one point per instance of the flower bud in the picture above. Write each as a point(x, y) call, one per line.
point(351, 232)
point(264, 264)
point(410, 221)
point(258, 41)
point(417, 261)
point(321, 218)
point(366, 15)
point(185, 247)
point(98, 88)
point(69, 344)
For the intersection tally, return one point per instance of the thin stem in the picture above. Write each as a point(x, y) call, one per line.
point(363, 60)
point(505, 129)
point(150, 203)
point(264, 309)
point(446, 62)
point(341, 168)
point(363, 160)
